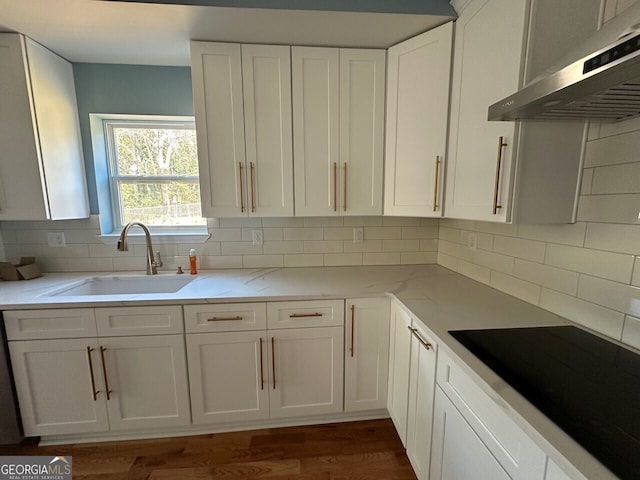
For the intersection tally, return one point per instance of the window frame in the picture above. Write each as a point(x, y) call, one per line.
point(111, 122)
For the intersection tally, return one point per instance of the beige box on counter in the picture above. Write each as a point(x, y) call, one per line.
point(26, 269)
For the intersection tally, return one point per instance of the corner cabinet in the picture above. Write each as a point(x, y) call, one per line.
point(242, 103)
point(419, 73)
point(524, 172)
point(338, 112)
point(42, 173)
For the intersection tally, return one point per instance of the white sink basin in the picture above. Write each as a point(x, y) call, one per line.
point(124, 285)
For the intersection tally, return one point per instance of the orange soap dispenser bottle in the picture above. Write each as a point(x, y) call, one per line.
point(192, 261)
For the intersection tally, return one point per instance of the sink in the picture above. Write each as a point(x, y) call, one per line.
point(124, 285)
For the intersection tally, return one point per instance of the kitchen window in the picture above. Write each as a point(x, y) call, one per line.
point(153, 173)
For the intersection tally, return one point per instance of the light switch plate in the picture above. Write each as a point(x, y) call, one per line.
point(358, 235)
point(56, 239)
point(257, 237)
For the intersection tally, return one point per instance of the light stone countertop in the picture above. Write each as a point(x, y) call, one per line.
point(439, 298)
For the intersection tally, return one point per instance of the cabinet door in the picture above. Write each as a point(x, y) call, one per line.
point(399, 361)
point(417, 115)
point(266, 83)
point(217, 96)
point(306, 371)
point(486, 68)
point(458, 453)
point(59, 386)
point(366, 365)
point(422, 385)
point(41, 164)
point(147, 381)
point(362, 85)
point(315, 83)
point(228, 376)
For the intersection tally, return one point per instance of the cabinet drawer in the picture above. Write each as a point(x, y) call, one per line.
point(122, 321)
point(516, 452)
point(232, 317)
point(313, 313)
point(41, 324)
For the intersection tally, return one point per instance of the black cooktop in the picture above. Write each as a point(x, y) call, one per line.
point(588, 386)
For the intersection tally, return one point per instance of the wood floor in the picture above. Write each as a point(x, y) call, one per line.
point(369, 450)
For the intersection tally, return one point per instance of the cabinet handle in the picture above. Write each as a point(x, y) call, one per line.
point(501, 145)
point(273, 360)
point(305, 315)
point(253, 196)
point(104, 373)
point(345, 187)
point(224, 319)
point(335, 187)
point(261, 368)
point(353, 321)
point(426, 344)
point(241, 167)
point(93, 379)
point(435, 190)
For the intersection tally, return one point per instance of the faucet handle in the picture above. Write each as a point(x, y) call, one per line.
point(158, 260)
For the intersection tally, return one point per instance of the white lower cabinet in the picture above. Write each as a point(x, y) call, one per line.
point(399, 361)
point(366, 354)
point(273, 360)
point(458, 453)
point(95, 384)
point(59, 386)
point(422, 384)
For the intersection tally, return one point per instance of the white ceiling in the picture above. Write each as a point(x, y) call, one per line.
point(158, 34)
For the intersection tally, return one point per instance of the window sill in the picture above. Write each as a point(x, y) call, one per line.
point(137, 238)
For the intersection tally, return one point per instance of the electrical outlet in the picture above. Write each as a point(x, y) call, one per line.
point(358, 235)
point(257, 237)
point(56, 239)
point(472, 241)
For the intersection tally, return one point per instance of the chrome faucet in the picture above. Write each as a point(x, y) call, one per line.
point(152, 263)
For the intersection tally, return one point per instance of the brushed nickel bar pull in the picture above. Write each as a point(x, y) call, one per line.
point(224, 319)
point(273, 360)
point(353, 321)
point(261, 368)
point(345, 187)
point(335, 187)
point(501, 145)
point(253, 195)
point(426, 344)
point(241, 186)
point(104, 373)
point(305, 315)
point(435, 190)
point(93, 379)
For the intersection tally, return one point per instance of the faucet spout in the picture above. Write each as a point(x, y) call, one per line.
point(152, 263)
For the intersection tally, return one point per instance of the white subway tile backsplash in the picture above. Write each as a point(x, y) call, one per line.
point(520, 248)
point(400, 245)
point(565, 234)
point(412, 258)
point(382, 233)
point(241, 248)
point(612, 266)
point(272, 234)
point(227, 235)
point(419, 232)
point(339, 259)
point(281, 222)
point(587, 181)
point(506, 229)
point(451, 235)
point(246, 222)
point(322, 246)
point(477, 272)
point(595, 317)
point(613, 295)
point(98, 265)
point(292, 247)
point(527, 291)
point(623, 178)
point(316, 260)
point(448, 261)
point(213, 262)
point(368, 246)
point(612, 150)
point(631, 331)
point(613, 238)
point(381, 258)
point(323, 222)
point(429, 245)
point(554, 278)
point(400, 222)
point(262, 261)
point(621, 208)
point(362, 221)
point(316, 233)
point(455, 250)
point(340, 233)
point(635, 279)
point(494, 261)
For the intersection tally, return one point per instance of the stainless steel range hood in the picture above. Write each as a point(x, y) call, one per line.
point(603, 84)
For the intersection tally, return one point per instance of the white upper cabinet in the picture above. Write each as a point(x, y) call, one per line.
point(240, 90)
point(41, 163)
point(510, 171)
point(419, 72)
point(338, 108)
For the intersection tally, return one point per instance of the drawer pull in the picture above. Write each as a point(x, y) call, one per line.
point(224, 319)
point(426, 344)
point(273, 360)
point(261, 368)
point(496, 190)
point(93, 379)
point(305, 315)
point(353, 322)
point(104, 373)
point(241, 187)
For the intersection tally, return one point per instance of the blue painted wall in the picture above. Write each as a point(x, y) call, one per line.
point(127, 89)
